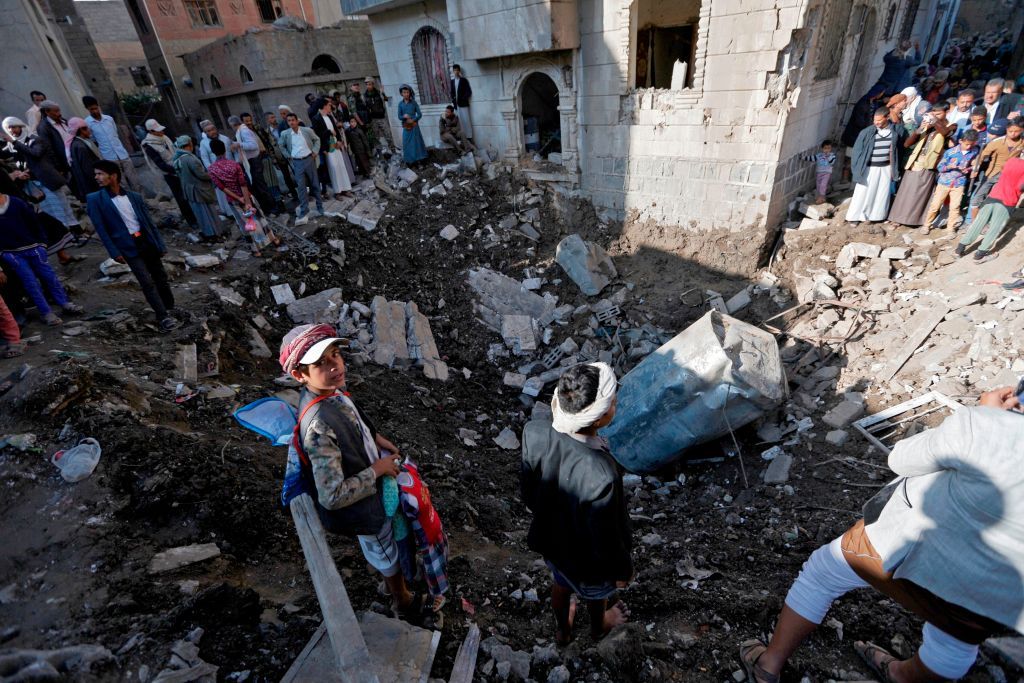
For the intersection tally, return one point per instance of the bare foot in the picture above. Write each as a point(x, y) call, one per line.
point(616, 615)
point(563, 639)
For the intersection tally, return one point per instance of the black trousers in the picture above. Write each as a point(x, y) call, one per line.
point(179, 197)
point(259, 186)
point(148, 269)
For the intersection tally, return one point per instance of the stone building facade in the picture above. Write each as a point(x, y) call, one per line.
point(117, 43)
point(690, 113)
point(36, 57)
point(258, 71)
point(168, 29)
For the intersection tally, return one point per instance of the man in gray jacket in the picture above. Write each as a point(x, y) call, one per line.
point(301, 146)
point(945, 540)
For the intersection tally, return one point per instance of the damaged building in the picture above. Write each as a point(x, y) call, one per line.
point(261, 69)
point(694, 114)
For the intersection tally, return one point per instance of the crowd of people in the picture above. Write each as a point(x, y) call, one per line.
point(265, 164)
point(944, 132)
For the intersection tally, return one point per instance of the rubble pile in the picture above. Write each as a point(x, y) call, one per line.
point(464, 292)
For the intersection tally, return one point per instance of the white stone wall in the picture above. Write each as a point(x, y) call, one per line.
point(497, 28)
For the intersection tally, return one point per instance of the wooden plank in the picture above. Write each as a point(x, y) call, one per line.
point(354, 663)
point(465, 659)
point(315, 662)
point(926, 322)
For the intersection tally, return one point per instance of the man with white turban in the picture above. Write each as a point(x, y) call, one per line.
point(574, 488)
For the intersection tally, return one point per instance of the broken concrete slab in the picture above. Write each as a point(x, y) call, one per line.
point(365, 214)
point(968, 299)
point(499, 295)
point(507, 440)
point(843, 414)
point(528, 231)
point(852, 252)
point(519, 333)
point(226, 294)
point(388, 331)
point(186, 363)
point(837, 437)
point(738, 302)
point(808, 289)
point(282, 294)
point(778, 469)
point(812, 224)
point(322, 307)
point(174, 558)
point(895, 253)
point(449, 232)
point(586, 263)
point(514, 380)
point(818, 212)
point(202, 261)
point(407, 176)
point(421, 344)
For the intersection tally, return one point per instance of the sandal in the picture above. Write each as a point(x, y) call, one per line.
point(15, 349)
point(867, 652)
point(751, 651)
point(413, 612)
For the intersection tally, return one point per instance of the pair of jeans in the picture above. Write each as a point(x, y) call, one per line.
point(993, 214)
point(32, 269)
point(148, 269)
point(304, 171)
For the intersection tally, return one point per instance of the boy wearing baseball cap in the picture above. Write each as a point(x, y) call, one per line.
point(342, 455)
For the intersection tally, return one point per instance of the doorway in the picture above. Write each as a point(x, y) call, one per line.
point(542, 125)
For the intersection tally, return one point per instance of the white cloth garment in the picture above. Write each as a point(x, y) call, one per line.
point(300, 148)
point(127, 211)
point(340, 180)
point(871, 202)
point(571, 423)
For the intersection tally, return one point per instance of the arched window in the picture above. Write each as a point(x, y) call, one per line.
point(202, 85)
point(244, 74)
point(325, 64)
point(430, 58)
point(214, 83)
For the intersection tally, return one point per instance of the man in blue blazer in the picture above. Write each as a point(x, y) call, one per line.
point(123, 223)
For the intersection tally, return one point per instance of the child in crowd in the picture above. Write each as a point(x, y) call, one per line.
point(824, 160)
point(23, 249)
point(574, 488)
point(229, 178)
point(9, 329)
point(954, 171)
point(343, 458)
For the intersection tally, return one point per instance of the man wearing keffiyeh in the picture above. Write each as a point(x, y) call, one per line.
point(574, 488)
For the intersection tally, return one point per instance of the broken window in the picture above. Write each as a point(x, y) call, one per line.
point(244, 74)
point(665, 43)
point(202, 12)
point(270, 10)
point(831, 36)
point(430, 58)
point(325, 64)
point(542, 125)
point(214, 83)
point(140, 75)
point(140, 21)
point(890, 19)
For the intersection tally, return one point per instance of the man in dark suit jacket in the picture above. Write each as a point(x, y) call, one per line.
point(51, 125)
point(123, 224)
point(999, 104)
point(462, 93)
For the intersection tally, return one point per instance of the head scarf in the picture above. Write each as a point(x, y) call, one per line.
point(300, 340)
point(13, 122)
point(913, 99)
point(571, 423)
point(182, 140)
point(74, 124)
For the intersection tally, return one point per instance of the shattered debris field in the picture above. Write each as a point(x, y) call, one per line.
point(716, 547)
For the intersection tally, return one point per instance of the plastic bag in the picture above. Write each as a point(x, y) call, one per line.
point(76, 464)
point(254, 229)
point(269, 417)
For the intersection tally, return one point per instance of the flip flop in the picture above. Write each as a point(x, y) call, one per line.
point(867, 652)
point(15, 349)
point(751, 651)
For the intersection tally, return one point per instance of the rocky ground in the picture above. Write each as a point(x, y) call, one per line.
point(716, 546)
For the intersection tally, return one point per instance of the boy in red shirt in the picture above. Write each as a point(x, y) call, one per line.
point(230, 179)
point(995, 211)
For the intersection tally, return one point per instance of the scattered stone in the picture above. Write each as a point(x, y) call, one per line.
point(388, 331)
point(818, 212)
point(895, 253)
point(969, 299)
point(323, 307)
point(843, 414)
point(499, 295)
point(519, 333)
point(514, 380)
point(202, 261)
point(182, 556)
point(586, 263)
point(282, 294)
point(812, 224)
point(652, 540)
point(559, 674)
point(421, 345)
point(257, 345)
point(507, 440)
point(852, 252)
point(738, 302)
point(778, 470)
point(407, 176)
point(837, 437)
point(450, 232)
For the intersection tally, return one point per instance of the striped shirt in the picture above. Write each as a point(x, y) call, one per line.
point(882, 145)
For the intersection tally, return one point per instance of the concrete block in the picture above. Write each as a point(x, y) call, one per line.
point(895, 253)
point(388, 331)
point(852, 252)
point(586, 263)
point(778, 469)
point(843, 414)
point(282, 294)
point(449, 232)
point(323, 307)
point(422, 348)
point(519, 333)
point(837, 437)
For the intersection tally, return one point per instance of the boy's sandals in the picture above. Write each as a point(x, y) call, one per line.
point(750, 652)
point(15, 349)
point(413, 613)
point(868, 652)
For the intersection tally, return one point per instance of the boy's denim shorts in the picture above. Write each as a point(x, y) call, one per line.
point(584, 591)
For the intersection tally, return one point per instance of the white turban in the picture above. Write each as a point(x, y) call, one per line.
point(571, 423)
point(14, 122)
point(283, 107)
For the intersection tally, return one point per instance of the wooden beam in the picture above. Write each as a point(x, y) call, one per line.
point(925, 322)
point(465, 659)
point(354, 663)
